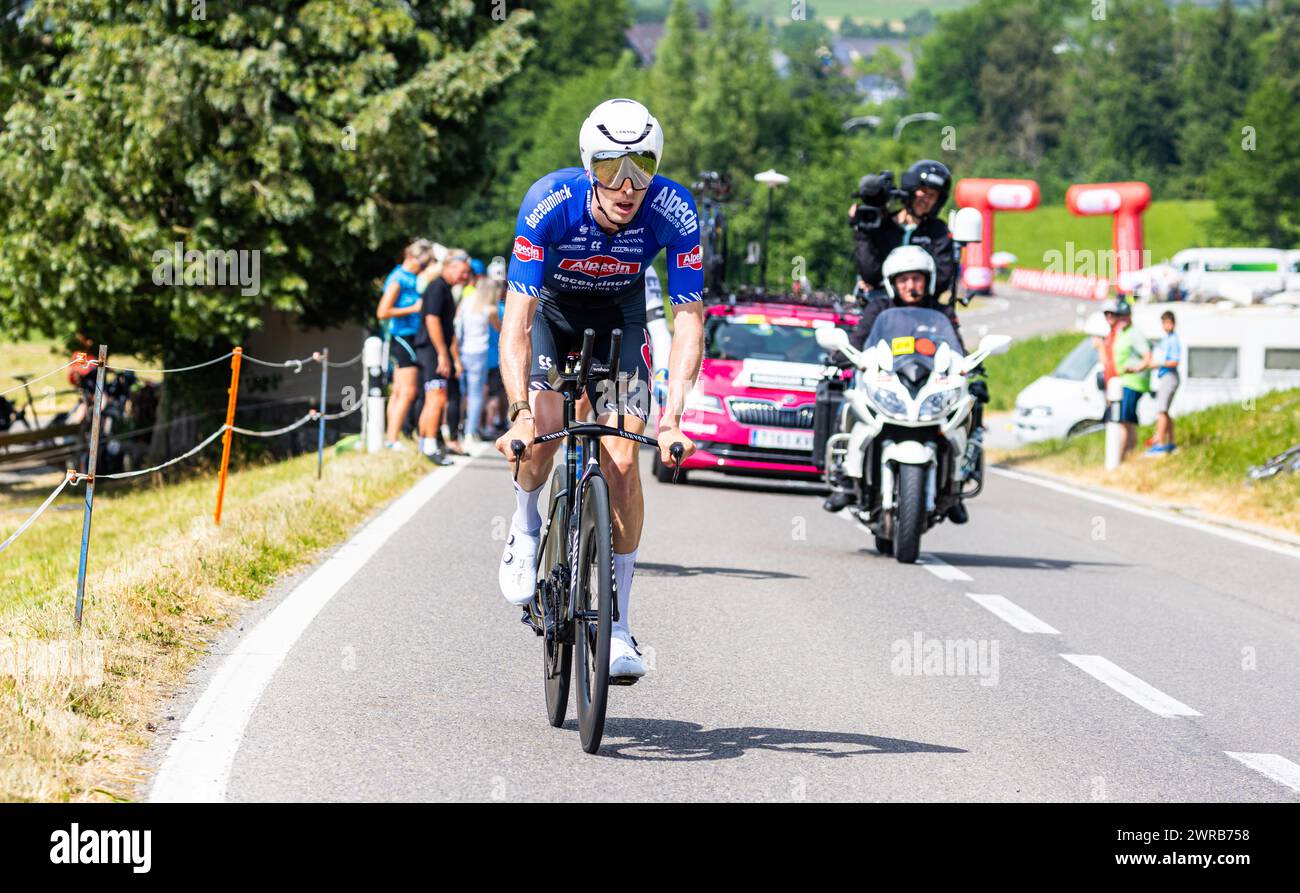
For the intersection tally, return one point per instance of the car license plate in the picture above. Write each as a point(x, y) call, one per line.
point(781, 439)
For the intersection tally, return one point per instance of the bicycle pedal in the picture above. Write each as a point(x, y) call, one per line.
point(624, 680)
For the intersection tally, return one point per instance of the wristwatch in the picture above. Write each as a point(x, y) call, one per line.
point(515, 408)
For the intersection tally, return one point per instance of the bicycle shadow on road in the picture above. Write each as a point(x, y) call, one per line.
point(651, 569)
point(673, 740)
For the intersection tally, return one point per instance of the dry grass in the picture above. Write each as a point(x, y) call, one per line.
point(163, 580)
point(1207, 473)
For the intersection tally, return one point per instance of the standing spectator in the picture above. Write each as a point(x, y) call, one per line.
point(399, 311)
point(1131, 355)
point(1167, 354)
point(496, 389)
point(477, 319)
point(439, 353)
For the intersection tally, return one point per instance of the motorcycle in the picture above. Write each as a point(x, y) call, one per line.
point(906, 447)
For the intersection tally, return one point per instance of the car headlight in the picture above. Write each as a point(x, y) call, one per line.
point(702, 402)
point(1036, 411)
point(887, 402)
point(937, 404)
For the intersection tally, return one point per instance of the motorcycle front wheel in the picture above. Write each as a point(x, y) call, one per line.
point(909, 512)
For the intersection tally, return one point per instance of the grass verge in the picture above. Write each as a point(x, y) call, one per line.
point(1024, 362)
point(1208, 471)
point(162, 581)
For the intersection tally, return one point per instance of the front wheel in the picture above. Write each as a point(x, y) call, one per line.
point(594, 580)
point(557, 653)
point(910, 512)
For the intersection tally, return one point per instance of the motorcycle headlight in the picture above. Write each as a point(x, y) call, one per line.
point(888, 402)
point(937, 404)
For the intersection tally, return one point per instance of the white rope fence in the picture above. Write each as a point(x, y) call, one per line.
point(224, 356)
point(69, 479)
point(32, 381)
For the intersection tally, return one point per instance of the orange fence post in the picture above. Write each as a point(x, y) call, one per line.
point(226, 437)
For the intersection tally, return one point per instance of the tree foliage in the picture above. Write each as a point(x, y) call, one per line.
point(315, 134)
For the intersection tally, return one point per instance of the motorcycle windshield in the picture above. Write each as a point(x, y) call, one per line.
point(914, 330)
point(913, 334)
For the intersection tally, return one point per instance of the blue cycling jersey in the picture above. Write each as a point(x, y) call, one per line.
point(561, 252)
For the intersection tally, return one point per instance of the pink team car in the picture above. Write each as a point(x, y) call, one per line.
point(751, 412)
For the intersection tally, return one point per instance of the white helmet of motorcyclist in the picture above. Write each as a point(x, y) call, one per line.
point(908, 259)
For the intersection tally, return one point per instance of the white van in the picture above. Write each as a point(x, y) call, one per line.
point(1242, 275)
point(1230, 354)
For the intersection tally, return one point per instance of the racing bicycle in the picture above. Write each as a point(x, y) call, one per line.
point(574, 605)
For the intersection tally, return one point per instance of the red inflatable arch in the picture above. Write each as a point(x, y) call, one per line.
point(988, 196)
point(1126, 202)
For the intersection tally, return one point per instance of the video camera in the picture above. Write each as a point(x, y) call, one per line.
point(875, 193)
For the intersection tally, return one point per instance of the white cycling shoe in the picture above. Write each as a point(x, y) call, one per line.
point(625, 663)
point(517, 573)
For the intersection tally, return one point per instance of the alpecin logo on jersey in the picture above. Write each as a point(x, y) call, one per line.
point(526, 251)
point(693, 259)
point(676, 209)
point(600, 265)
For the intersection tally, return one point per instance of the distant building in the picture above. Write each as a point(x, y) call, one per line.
point(644, 38)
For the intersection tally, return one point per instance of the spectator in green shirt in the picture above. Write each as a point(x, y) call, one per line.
point(1132, 355)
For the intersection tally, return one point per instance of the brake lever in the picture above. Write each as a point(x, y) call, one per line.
point(676, 451)
point(517, 447)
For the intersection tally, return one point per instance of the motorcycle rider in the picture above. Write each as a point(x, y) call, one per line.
point(909, 274)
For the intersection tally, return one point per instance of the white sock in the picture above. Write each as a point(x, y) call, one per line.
point(428, 445)
point(624, 564)
point(527, 518)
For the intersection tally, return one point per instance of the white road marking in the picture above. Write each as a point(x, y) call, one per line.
point(1130, 686)
point(933, 564)
point(197, 765)
point(1224, 533)
point(1277, 768)
point(1013, 614)
point(942, 569)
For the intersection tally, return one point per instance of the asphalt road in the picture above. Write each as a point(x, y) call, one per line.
point(786, 666)
point(1019, 313)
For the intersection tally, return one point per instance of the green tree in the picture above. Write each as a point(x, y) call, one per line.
point(1215, 81)
point(315, 135)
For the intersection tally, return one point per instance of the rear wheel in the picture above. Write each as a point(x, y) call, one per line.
point(594, 573)
point(910, 511)
point(884, 546)
point(557, 654)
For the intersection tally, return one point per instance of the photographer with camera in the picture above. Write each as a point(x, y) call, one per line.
point(879, 228)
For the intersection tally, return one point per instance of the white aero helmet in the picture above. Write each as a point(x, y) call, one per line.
point(623, 134)
point(908, 259)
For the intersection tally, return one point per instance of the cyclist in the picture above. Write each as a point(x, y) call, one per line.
point(583, 242)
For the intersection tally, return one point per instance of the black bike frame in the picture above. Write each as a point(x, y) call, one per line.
point(570, 384)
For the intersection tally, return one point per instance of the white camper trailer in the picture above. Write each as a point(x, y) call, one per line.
point(1230, 354)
